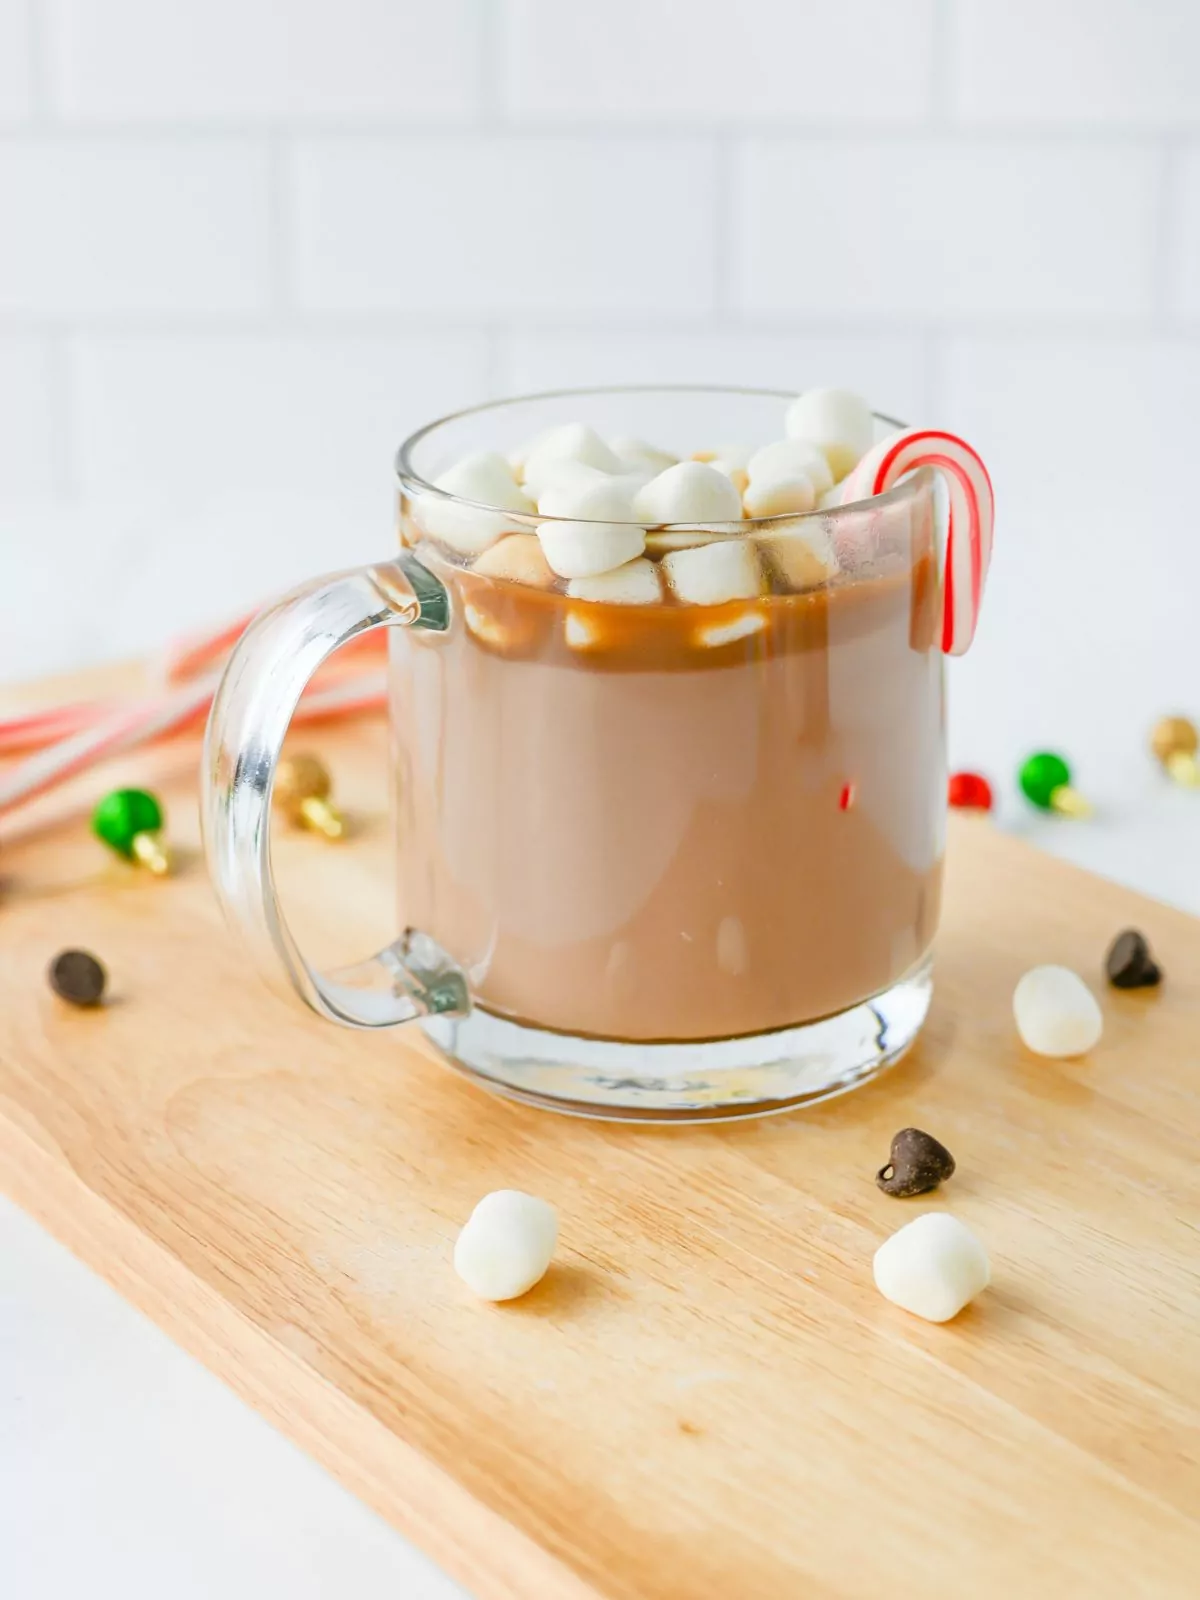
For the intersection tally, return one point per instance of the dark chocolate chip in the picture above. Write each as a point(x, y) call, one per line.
point(1129, 964)
point(77, 977)
point(918, 1164)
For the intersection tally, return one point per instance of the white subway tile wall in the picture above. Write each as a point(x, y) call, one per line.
point(146, 229)
point(324, 412)
point(1186, 284)
point(918, 227)
point(262, 61)
point(244, 245)
point(26, 417)
point(16, 67)
point(495, 225)
point(1075, 63)
point(709, 63)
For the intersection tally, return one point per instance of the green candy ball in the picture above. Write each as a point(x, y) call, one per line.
point(122, 815)
point(1041, 775)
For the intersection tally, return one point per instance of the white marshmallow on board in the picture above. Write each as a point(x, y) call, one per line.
point(689, 491)
point(803, 557)
point(636, 455)
point(933, 1267)
point(788, 458)
point(637, 583)
point(776, 496)
point(519, 558)
point(484, 477)
point(1056, 1013)
point(574, 441)
point(838, 421)
point(711, 574)
point(506, 1245)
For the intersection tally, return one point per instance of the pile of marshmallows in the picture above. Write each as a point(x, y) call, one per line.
point(605, 498)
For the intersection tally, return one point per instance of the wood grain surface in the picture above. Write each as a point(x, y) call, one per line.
point(706, 1397)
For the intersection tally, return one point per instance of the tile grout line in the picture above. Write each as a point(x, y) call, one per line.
point(278, 224)
point(497, 364)
point(1166, 233)
point(64, 443)
point(491, 62)
point(395, 322)
point(724, 160)
point(933, 343)
point(40, 113)
point(422, 134)
point(941, 62)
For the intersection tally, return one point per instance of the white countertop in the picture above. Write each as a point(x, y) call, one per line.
point(131, 1472)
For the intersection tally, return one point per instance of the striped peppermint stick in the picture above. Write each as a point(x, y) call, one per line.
point(972, 515)
point(112, 732)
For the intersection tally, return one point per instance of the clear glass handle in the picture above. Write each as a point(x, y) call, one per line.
point(266, 675)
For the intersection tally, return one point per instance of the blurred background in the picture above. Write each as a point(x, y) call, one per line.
point(245, 245)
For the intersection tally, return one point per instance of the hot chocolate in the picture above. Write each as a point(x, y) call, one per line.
point(662, 822)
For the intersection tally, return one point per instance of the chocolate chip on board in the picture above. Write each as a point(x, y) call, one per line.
point(1129, 964)
point(77, 977)
point(918, 1163)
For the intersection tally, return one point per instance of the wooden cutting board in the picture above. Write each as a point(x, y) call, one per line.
point(706, 1397)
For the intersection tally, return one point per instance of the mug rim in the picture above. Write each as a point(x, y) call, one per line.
point(412, 482)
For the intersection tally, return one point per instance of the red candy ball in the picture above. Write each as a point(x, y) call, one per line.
point(970, 791)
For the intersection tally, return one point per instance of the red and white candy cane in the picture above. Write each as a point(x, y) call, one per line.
point(113, 732)
point(199, 652)
point(972, 516)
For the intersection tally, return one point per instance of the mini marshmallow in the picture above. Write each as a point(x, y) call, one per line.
point(635, 455)
point(599, 534)
point(1056, 1013)
point(487, 629)
point(635, 584)
point(803, 557)
point(506, 1245)
point(711, 635)
point(583, 631)
point(737, 476)
point(564, 474)
point(933, 1267)
point(836, 420)
point(574, 441)
point(789, 458)
point(519, 558)
point(593, 499)
point(484, 477)
point(660, 540)
point(711, 574)
point(776, 496)
point(688, 492)
point(585, 549)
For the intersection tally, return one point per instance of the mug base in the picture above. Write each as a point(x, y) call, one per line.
point(754, 1075)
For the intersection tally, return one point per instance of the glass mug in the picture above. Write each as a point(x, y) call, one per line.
point(654, 860)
